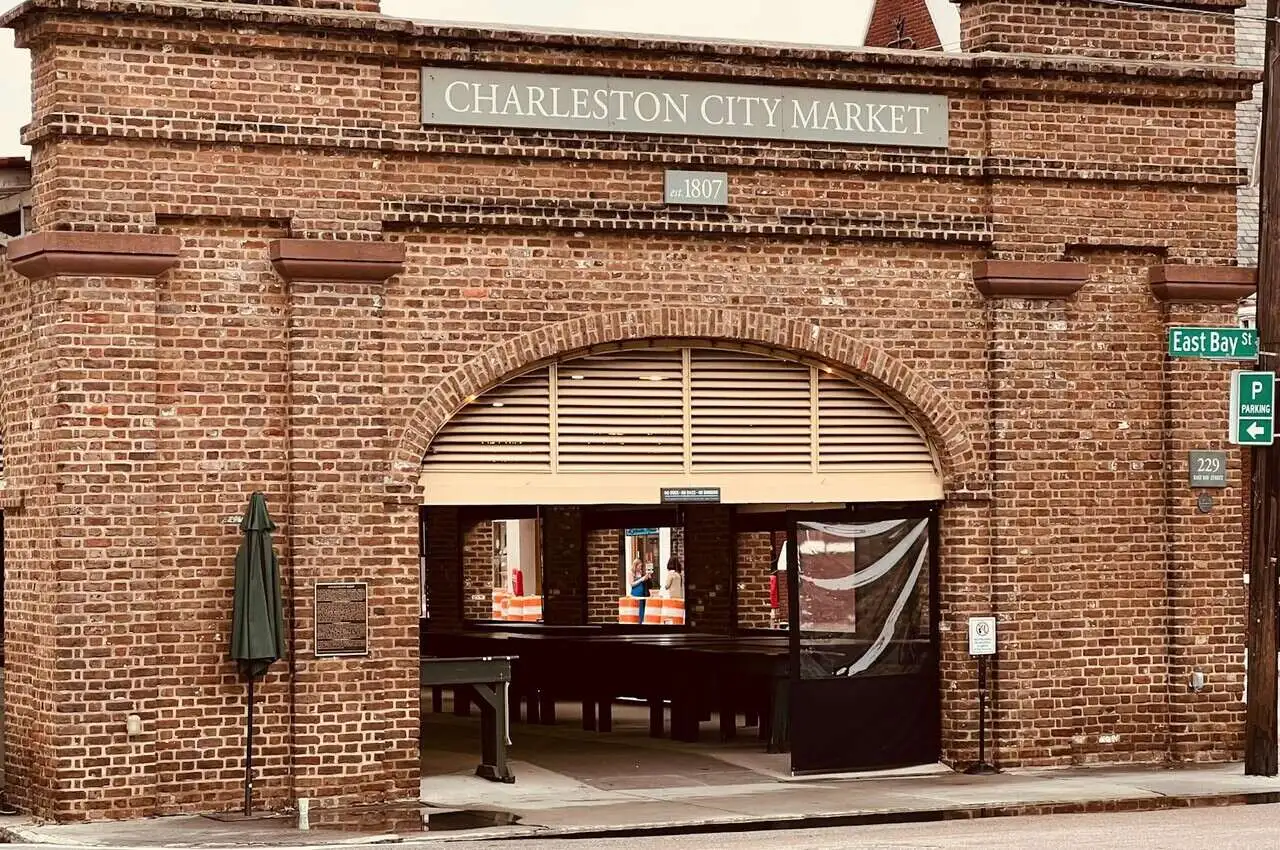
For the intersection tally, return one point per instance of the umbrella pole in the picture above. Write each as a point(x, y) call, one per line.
point(248, 756)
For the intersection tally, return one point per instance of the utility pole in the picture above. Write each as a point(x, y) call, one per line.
point(1260, 711)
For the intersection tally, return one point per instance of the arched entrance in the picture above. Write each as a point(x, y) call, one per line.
point(683, 449)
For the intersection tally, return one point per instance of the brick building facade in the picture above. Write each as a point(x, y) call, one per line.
point(254, 267)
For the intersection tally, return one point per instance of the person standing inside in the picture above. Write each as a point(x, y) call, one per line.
point(674, 582)
point(639, 584)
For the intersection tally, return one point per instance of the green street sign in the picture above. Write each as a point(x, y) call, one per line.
point(1214, 343)
point(1253, 407)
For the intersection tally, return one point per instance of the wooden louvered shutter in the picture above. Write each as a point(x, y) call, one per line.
point(764, 429)
point(509, 425)
point(621, 410)
point(859, 430)
point(749, 412)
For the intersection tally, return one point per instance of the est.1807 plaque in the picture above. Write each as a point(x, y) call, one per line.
point(342, 618)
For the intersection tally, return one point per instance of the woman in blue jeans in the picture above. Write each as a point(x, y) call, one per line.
point(639, 584)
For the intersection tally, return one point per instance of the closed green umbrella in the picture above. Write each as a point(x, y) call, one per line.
point(257, 618)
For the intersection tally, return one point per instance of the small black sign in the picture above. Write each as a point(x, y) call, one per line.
point(342, 619)
point(689, 495)
point(1204, 503)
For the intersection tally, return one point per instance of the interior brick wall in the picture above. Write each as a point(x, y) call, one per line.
point(755, 567)
point(708, 568)
point(444, 578)
point(564, 565)
point(477, 571)
point(139, 413)
point(604, 556)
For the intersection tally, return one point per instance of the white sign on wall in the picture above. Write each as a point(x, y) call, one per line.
point(466, 97)
point(982, 635)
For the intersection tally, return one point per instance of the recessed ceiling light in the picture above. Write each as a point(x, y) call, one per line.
point(498, 404)
point(576, 377)
point(653, 378)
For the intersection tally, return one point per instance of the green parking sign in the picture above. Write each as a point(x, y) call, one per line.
point(1253, 403)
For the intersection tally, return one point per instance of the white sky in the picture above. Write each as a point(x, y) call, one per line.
point(833, 22)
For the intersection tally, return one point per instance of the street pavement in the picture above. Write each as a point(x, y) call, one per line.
point(1219, 828)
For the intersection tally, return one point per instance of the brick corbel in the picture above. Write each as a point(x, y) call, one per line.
point(326, 259)
point(1016, 279)
point(86, 254)
point(1202, 284)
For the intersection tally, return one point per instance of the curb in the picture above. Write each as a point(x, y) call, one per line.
point(1121, 804)
point(16, 835)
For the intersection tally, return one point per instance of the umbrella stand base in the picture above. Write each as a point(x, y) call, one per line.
point(494, 774)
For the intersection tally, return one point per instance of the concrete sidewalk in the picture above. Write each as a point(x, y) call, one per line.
point(544, 804)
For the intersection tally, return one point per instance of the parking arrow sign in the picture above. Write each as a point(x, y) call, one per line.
point(1253, 396)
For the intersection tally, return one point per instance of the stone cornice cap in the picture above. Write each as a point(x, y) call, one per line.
point(326, 259)
point(1016, 279)
point(1202, 284)
point(86, 254)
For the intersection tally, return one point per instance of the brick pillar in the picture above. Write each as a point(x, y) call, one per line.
point(564, 569)
point(1037, 561)
point(83, 608)
point(755, 568)
point(477, 571)
point(1084, 28)
point(1206, 597)
point(604, 546)
point(965, 590)
point(344, 527)
point(708, 548)
point(444, 570)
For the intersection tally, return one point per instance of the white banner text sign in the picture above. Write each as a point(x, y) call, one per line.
point(461, 97)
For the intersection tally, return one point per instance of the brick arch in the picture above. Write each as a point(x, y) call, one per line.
point(933, 412)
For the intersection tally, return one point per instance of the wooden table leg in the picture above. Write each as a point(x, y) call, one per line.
point(657, 722)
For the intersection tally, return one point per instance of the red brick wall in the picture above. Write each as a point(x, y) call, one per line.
point(1079, 27)
point(139, 413)
point(477, 571)
point(444, 578)
point(708, 567)
point(755, 566)
point(604, 555)
point(321, 5)
point(564, 562)
point(902, 24)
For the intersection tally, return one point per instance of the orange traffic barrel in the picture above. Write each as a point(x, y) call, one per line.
point(673, 612)
point(628, 610)
point(532, 609)
point(501, 599)
point(654, 606)
point(517, 608)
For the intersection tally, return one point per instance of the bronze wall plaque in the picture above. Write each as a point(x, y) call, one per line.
point(342, 618)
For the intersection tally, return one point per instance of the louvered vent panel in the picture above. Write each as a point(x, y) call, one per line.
point(622, 411)
point(858, 429)
point(749, 412)
point(509, 425)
